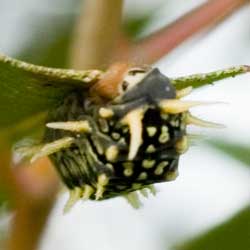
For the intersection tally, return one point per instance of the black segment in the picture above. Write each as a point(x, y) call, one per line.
point(81, 163)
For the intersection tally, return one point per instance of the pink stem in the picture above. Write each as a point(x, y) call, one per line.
point(157, 45)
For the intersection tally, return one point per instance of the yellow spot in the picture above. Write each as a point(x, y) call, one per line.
point(143, 176)
point(122, 141)
point(104, 125)
point(128, 165)
point(106, 113)
point(164, 116)
point(150, 149)
point(112, 153)
point(164, 137)
point(151, 131)
point(171, 176)
point(128, 172)
point(159, 171)
point(164, 129)
point(182, 145)
point(148, 163)
point(175, 123)
point(116, 136)
point(160, 168)
point(103, 180)
point(125, 130)
point(110, 166)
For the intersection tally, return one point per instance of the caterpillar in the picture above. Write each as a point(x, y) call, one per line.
point(123, 135)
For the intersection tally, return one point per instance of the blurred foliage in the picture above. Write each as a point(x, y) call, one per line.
point(235, 150)
point(231, 235)
point(52, 52)
point(3, 199)
point(133, 26)
point(27, 97)
point(49, 38)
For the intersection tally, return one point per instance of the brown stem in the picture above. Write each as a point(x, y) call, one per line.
point(31, 191)
point(37, 189)
point(96, 34)
point(7, 180)
point(157, 45)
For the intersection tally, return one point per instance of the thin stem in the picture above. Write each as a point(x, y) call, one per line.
point(31, 193)
point(7, 180)
point(157, 45)
point(96, 34)
point(38, 187)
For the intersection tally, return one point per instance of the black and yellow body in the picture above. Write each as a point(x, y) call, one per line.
point(132, 141)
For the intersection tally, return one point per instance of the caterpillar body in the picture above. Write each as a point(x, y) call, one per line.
point(122, 136)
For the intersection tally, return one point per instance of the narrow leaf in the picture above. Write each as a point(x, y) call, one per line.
point(199, 80)
point(27, 90)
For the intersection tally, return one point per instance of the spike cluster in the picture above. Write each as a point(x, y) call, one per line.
point(104, 150)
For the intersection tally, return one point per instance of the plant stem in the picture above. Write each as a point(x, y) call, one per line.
point(96, 34)
point(37, 189)
point(31, 192)
point(7, 180)
point(157, 45)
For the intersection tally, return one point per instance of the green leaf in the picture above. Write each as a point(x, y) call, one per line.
point(54, 21)
point(27, 90)
point(237, 151)
point(199, 80)
point(231, 235)
point(3, 198)
point(3, 202)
